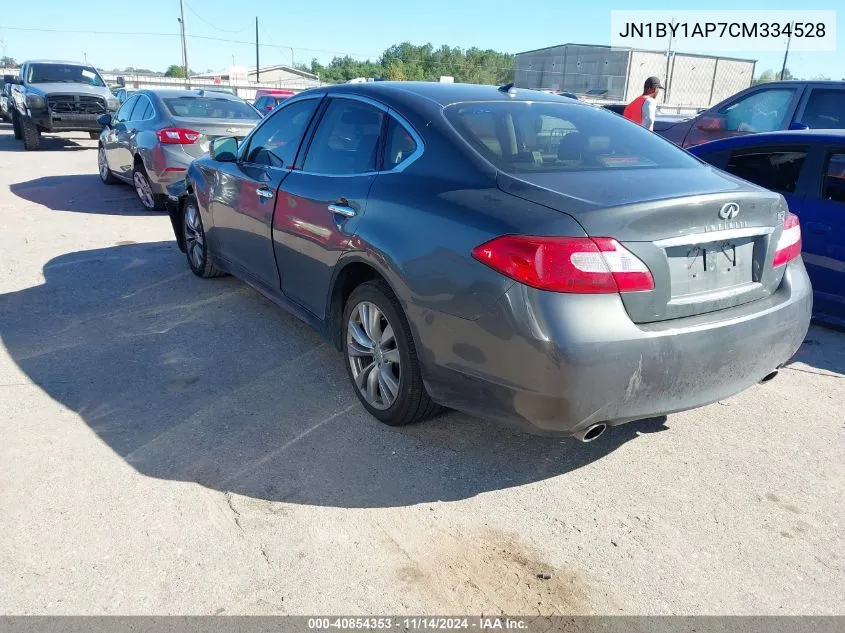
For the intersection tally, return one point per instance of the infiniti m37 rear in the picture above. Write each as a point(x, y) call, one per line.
point(506, 253)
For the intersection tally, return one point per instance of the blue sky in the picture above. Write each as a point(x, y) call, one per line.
point(324, 28)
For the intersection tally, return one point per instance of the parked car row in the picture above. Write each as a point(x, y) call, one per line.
point(507, 253)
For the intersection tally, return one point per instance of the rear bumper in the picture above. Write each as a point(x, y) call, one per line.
point(166, 166)
point(556, 363)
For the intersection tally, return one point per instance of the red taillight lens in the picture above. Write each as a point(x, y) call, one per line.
point(566, 264)
point(177, 136)
point(789, 242)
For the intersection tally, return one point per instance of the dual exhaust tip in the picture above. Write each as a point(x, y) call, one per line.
point(595, 431)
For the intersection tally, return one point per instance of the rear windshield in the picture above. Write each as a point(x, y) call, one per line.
point(210, 108)
point(526, 137)
point(63, 73)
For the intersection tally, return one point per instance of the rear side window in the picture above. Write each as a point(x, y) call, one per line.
point(775, 170)
point(276, 141)
point(400, 145)
point(125, 109)
point(346, 141)
point(825, 109)
point(834, 178)
point(522, 137)
point(142, 110)
point(210, 108)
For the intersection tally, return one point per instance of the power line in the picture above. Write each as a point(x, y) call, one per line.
point(216, 28)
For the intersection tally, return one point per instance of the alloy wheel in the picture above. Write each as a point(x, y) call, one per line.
point(143, 189)
point(194, 236)
point(373, 355)
point(102, 164)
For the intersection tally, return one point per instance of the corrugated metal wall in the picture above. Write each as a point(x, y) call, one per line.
point(692, 80)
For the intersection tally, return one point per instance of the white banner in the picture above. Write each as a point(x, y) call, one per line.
point(724, 31)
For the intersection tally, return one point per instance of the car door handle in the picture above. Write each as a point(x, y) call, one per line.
point(264, 192)
point(342, 209)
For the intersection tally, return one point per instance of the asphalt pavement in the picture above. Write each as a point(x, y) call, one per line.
point(172, 445)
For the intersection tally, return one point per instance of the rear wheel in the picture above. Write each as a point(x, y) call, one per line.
point(103, 167)
point(196, 249)
point(16, 125)
point(381, 358)
point(144, 189)
point(30, 133)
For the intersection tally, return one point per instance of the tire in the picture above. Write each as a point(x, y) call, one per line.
point(411, 402)
point(106, 174)
point(144, 189)
point(16, 125)
point(196, 247)
point(93, 135)
point(30, 133)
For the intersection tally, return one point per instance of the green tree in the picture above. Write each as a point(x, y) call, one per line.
point(770, 75)
point(8, 62)
point(174, 71)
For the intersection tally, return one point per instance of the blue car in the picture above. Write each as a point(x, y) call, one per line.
point(808, 168)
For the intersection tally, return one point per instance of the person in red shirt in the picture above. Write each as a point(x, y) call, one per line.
point(643, 109)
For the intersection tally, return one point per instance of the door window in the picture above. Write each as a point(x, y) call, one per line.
point(763, 111)
point(825, 109)
point(834, 179)
point(400, 145)
point(142, 110)
point(125, 110)
point(276, 141)
point(775, 170)
point(347, 139)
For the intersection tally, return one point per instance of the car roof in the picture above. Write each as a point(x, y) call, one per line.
point(771, 138)
point(56, 61)
point(444, 94)
point(182, 92)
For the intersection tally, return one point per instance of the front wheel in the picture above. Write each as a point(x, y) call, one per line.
point(30, 133)
point(196, 248)
point(381, 358)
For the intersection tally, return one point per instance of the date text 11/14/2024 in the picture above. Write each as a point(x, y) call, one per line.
point(417, 623)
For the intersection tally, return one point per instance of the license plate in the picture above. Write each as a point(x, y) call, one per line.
point(701, 268)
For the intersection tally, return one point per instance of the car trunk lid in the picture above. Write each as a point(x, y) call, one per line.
point(209, 129)
point(707, 238)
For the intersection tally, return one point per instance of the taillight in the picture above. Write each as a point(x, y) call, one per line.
point(789, 242)
point(177, 136)
point(566, 264)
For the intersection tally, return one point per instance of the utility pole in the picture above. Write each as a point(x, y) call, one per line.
point(184, 44)
point(668, 57)
point(257, 72)
point(786, 54)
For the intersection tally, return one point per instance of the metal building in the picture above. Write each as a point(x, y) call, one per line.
point(618, 74)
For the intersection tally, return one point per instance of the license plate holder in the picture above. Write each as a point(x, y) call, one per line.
point(710, 267)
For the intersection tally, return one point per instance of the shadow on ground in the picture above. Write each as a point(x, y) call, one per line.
point(80, 193)
point(207, 381)
point(823, 350)
point(49, 143)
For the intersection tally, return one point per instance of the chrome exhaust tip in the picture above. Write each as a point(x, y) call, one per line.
point(591, 433)
point(769, 376)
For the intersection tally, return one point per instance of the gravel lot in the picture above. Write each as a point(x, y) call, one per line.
point(173, 445)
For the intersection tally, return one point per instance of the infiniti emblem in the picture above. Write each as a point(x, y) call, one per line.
point(729, 211)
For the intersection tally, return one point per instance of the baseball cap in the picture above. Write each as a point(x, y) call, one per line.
point(653, 82)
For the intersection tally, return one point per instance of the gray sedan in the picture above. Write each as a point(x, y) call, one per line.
point(150, 141)
point(503, 252)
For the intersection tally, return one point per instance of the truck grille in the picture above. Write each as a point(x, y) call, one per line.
point(76, 104)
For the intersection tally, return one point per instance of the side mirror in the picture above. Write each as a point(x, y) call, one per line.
point(224, 149)
point(121, 81)
point(712, 122)
point(797, 125)
point(105, 120)
point(11, 79)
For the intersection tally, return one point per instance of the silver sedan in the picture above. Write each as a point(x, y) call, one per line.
point(152, 139)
